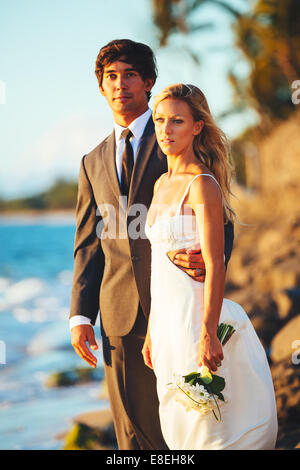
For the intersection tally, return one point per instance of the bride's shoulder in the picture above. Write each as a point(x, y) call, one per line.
point(205, 186)
point(158, 181)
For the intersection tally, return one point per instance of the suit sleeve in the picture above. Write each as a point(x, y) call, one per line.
point(88, 254)
point(229, 237)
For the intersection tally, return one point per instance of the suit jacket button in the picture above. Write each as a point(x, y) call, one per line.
point(134, 258)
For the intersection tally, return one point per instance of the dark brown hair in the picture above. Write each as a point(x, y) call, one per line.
point(139, 55)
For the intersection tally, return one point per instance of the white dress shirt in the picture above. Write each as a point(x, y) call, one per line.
point(137, 128)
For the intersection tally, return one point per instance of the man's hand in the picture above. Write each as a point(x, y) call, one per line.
point(80, 335)
point(190, 261)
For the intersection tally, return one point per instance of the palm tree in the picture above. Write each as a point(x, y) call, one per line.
point(268, 38)
point(173, 16)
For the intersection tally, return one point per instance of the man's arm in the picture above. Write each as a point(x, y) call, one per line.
point(191, 261)
point(88, 271)
point(88, 254)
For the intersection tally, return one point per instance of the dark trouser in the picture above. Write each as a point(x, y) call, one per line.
point(132, 390)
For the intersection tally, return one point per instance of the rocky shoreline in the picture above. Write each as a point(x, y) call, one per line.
point(91, 431)
point(95, 431)
point(264, 271)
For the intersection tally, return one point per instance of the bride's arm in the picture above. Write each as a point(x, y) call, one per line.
point(206, 200)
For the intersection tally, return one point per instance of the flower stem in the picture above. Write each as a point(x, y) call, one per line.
point(211, 394)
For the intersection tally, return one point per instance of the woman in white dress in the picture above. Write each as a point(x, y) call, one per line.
point(189, 208)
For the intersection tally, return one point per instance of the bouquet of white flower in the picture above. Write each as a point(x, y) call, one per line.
point(201, 390)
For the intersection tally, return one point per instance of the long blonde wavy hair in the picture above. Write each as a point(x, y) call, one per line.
point(211, 146)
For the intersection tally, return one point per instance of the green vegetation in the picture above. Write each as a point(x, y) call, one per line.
point(267, 42)
point(267, 37)
point(62, 195)
point(83, 437)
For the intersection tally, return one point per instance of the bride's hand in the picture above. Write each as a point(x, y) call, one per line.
point(210, 351)
point(147, 350)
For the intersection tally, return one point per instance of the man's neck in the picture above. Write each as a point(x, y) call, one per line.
point(125, 120)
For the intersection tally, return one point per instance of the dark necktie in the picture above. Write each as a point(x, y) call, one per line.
point(127, 163)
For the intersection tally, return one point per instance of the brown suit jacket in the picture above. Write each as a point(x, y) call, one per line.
point(113, 273)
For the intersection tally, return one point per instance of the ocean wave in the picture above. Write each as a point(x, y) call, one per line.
point(52, 338)
point(51, 218)
point(20, 292)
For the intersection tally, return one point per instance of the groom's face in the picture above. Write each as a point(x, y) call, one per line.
point(125, 90)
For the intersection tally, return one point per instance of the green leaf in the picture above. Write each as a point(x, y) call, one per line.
point(221, 396)
point(190, 378)
point(217, 384)
point(199, 381)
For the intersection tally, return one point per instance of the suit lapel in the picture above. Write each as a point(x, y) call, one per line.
point(145, 149)
point(148, 141)
point(109, 161)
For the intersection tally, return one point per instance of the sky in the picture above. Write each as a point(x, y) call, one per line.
point(51, 110)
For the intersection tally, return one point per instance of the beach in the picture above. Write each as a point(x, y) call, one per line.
point(36, 263)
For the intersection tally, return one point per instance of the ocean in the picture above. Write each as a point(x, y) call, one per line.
point(36, 263)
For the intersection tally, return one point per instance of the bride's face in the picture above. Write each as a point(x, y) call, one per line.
point(175, 127)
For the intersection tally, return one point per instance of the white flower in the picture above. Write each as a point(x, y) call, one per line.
point(191, 396)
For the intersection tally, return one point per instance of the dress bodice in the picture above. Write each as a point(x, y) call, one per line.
point(177, 231)
point(174, 232)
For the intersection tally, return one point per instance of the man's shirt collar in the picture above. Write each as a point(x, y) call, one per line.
point(137, 126)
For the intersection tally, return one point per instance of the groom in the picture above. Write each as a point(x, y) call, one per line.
point(112, 258)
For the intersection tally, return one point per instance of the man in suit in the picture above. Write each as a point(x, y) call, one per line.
point(112, 257)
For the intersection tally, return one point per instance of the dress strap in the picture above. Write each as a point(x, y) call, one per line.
point(158, 181)
point(188, 188)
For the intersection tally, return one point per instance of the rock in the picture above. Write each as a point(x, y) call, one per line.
point(280, 157)
point(261, 310)
point(284, 304)
point(286, 379)
point(92, 431)
point(98, 419)
point(287, 438)
point(285, 274)
point(282, 343)
point(288, 302)
point(245, 297)
point(264, 271)
point(268, 242)
point(265, 329)
point(77, 375)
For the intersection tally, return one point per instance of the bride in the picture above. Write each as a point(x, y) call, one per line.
point(190, 206)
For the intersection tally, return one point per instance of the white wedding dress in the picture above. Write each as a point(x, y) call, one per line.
point(249, 419)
